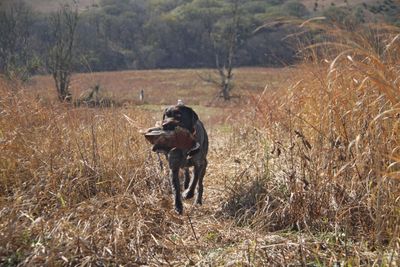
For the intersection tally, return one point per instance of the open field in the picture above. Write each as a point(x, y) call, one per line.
point(303, 173)
point(165, 87)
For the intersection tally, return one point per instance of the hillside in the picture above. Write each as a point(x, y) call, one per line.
point(153, 34)
point(323, 4)
point(47, 6)
point(51, 5)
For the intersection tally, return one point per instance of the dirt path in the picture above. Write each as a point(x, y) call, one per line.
point(207, 236)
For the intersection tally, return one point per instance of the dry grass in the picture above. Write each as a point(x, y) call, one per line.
point(81, 187)
point(306, 175)
point(331, 159)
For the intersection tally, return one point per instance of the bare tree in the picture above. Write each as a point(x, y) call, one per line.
point(63, 26)
point(225, 43)
point(225, 68)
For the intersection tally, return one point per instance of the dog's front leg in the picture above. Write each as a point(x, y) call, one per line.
point(187, 178)
point(175, 160)
point(202, 172)
point(176, 191)
point(199, 172)
point(192, 183)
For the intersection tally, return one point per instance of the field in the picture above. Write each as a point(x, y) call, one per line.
point(164, 87)
point(304, 168)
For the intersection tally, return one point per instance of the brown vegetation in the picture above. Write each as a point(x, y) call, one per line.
point(308, 175)
point(331, 158)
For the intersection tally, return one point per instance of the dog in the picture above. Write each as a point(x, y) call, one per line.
point(196, 157)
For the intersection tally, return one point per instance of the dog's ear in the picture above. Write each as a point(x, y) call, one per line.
point(190, 111)
point(195, 118)
point(190, 116)
point(164, 114)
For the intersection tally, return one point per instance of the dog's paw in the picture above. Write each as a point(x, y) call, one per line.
point(187, 194)
point(198, 201)
point(179, 209)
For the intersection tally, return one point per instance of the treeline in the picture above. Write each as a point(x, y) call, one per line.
point(145, 34)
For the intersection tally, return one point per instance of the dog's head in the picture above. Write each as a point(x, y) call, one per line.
point(179, 115)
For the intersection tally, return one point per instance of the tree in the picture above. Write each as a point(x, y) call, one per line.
point(225, 37)
point(60, 58)
point(225, 68)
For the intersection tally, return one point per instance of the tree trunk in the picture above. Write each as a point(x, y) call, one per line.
point(64, 24)
point(225, 92)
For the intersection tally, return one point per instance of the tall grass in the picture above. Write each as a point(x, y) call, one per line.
point(76, 185)
point(81, 187)
point(334, 163)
